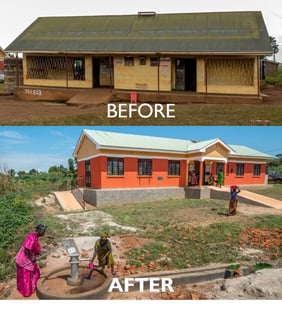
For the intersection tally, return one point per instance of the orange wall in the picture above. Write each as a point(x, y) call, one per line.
point(101, 180)
point(248, 177)
point(159, 177)
point(81, 173)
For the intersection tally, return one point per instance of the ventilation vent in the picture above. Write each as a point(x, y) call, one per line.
point(149, 13)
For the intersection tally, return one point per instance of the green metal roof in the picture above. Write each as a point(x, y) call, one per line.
point(248, 152)
point(121, 141)
point(110, 140)
point(220, 32)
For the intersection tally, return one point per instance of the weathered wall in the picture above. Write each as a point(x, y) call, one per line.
point(142, 77)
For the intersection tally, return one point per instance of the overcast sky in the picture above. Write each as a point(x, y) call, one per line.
point(26, 147)
point(17, 15)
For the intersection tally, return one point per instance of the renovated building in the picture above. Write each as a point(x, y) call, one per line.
point(107, 160)
point(206, 53)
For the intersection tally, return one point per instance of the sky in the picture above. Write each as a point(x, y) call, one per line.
point(17, 15)
point(26, 147)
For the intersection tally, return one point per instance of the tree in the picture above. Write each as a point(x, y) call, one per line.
point(33, 172)
point(71, 165)
point(12, 172)
point(53, 169)
point(274, 46)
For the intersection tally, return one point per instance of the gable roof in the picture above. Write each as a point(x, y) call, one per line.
point(217, 32)
point(110, 140)
point(244, 151)
point(121, 141)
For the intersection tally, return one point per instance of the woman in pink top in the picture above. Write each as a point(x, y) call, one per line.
point(28, 271)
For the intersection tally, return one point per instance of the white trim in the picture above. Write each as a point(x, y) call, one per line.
point(225, 160)
point(131, 156)
point(218, 140)
point(245, 162)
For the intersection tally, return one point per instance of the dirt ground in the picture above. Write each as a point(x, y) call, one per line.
point(14, 111)
point(265, 284)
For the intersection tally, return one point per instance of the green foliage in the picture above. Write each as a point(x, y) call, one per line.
point(260, 266)
point(274, 44)
point(275, 79)
point(17, 216)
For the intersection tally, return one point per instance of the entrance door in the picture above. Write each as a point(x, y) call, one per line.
point(179, 74)
point(185, 74)
point(190, 75)
point(103, 73)
point(194, 172)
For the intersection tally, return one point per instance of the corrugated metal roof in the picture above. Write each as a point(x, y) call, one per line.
point(112, 140)
point(248, 152)
point(220, 32)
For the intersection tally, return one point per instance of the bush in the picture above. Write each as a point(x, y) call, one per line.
point(275, 79)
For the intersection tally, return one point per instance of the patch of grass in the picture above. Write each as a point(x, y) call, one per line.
point(268, 221)
point(233, 267)
point(183, 240)
point(185, 114)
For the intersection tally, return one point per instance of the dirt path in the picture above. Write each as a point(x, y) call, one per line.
point(14, 110)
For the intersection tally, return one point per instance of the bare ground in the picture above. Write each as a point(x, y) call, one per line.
point(15, 111)
point(266, 284)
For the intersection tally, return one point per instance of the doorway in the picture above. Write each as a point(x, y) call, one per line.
point(186, 74)
point(103, 74)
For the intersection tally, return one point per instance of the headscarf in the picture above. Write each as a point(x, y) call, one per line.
point(104, 235)
point(41, 227)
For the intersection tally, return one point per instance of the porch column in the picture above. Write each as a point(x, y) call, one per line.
point(201, 173)
point(224, 172)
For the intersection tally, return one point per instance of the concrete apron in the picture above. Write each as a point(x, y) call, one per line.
point(178, 277)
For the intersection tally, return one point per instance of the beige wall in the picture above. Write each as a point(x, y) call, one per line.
point(210, 78)
point(86, 149)
point(142, 77)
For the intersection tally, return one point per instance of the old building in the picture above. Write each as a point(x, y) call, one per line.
point(209, 53)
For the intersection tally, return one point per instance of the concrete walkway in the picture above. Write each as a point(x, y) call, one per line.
point(91, 97)
point(254, 198)
point(67, 201)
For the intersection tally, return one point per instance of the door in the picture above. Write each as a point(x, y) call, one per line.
point(190, 75)
point(180, 74)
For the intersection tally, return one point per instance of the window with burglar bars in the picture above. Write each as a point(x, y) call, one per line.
point(240, 169)
point(173, 168)
point(55, 67)
point(144, 167)
point(256, 170)
point(115, 166)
